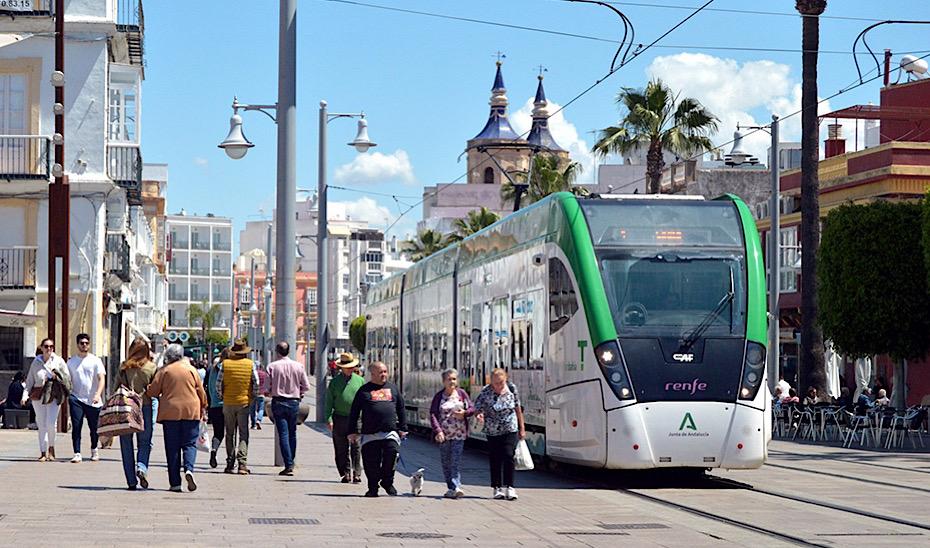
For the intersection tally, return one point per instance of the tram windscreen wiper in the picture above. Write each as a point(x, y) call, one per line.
point(688, 342)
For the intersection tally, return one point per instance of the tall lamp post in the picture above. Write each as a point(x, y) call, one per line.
point(361, 143)
point(236, 146)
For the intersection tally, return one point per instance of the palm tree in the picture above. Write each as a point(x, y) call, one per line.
point(548, 177)
point(656, 119)
point(204, 314)
point(811, 354)
point(473, 222)
point(425, 244)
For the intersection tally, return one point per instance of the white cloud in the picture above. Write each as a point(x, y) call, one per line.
point(564, 132)
point(737, 94)
point(377, 167)
point(201, 162)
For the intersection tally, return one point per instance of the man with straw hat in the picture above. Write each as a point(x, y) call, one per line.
point(339, 397)
point(237, 385)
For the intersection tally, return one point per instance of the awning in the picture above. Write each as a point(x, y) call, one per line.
point(11, 38)
point(11, 318)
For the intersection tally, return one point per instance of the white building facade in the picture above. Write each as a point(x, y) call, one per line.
point(199, 269)
point(103, 161)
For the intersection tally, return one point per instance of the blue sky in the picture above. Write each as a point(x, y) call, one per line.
point(424, 83)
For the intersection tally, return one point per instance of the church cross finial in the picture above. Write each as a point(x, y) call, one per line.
point(542, 69)
point(500, 55)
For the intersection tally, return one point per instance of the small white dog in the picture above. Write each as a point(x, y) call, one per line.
point(416, 482)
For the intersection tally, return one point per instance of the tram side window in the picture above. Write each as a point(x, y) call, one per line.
point(563, 302)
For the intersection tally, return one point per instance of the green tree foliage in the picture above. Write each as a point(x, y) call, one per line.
point(657, 120)
point(548, 177)
point(472, 223)
point(425, 244)
point(358, 333)
point(873, 281)
point(204, 314)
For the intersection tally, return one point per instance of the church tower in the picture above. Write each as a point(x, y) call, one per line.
point(540, 139)
point(498, 139)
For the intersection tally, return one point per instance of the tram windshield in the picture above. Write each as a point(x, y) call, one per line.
point(671, 269)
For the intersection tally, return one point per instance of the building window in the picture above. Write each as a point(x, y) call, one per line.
point(345, 324)
point(311, 297)
point(489, 176)
point(789, 260)
point(372, 277)
point(375, 267)
point(124, 113)
point(373, 257)
point(13, 106)
point(345, 281)
point(562, 301)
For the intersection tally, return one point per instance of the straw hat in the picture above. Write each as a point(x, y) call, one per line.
point(347, 360)
point(239, 349)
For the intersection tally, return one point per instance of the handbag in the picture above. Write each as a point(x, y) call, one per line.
point(522, 459)
point(203, 439)
point(36, 392)
point(122, 414)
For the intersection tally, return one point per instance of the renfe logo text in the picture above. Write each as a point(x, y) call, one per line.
point(691, 387)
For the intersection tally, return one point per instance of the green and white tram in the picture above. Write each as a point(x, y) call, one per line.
point(633, 326)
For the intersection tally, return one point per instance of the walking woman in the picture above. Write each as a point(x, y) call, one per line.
point(48, 385)
point(181, 404)
point(448, 415)
point(215, 412)
point(136, 374)
point(498, 405)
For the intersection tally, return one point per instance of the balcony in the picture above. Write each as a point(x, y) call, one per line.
point(27, 8)
point(200, 270)
point(221, 295)
point(24, 157)
point(149, 320)
point(177, 269)
point(197, 244)
point(117, 260)
point(222, 270)
point(221, 245)
point(124, 167)
point(199, 294)
point(130, 22)
point(17, 268)
point(177, 243)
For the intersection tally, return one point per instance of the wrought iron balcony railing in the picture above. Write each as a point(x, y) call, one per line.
point(24, 156)
point(124, 167)
point(117, 256)
point(17, 267)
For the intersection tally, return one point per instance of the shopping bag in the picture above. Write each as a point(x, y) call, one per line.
point(122, 414)
point(203, 439)
point(522, 459)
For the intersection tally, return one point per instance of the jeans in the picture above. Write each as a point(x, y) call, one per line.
point(46, 421)
point(79, 411)
point(284, 412)
point(133, 461)
point(237, 421)
point(258, 410)
point(500, 455)
point(218, 421)
point(380, 458)
point(348, 455)
point(450, 453)
point(180, 440)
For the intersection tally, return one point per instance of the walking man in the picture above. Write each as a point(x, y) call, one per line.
point(88, 378)
point(287, 383)
point(339, 396)
point(237, 386)
point(381, 408)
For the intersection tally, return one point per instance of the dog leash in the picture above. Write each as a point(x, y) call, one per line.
point(400, 457)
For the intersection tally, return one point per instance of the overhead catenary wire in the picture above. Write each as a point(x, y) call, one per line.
point(637, 53)
point(612, 41)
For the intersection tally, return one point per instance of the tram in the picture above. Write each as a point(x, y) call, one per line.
point(633, 326)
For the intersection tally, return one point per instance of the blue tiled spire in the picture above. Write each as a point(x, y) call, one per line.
point(539, 133)
point(498, 126)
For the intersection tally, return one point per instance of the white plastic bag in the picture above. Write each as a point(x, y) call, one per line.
point(522, 459)
point(203, 440)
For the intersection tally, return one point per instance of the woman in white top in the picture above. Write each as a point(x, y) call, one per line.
point(47, 371)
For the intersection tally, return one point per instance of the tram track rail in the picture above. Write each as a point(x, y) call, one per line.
point(848, 459)
point(870, 481)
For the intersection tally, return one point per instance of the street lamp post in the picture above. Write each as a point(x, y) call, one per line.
point(361, 143)
point(236, 146)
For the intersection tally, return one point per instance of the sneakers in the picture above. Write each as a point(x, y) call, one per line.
point(94, 455)
point(288, 472)
point(191, 484)
point(499, 493)
point(258, 426)
point(76, 458)
point(244, 471)
point(459, 493)
point(175, 489)
point(230, 469)
point(511, 493)
point(213, 462)
point(450, 494)
point(143, 479)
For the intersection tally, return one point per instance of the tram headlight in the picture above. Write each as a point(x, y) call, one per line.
point(614, 370)
point(753, 369)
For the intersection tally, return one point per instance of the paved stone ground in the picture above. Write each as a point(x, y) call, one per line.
point(63, 504)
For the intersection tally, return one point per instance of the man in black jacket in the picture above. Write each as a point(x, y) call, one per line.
point(381, 408)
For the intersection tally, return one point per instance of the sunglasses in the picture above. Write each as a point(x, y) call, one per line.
point(48, 346)
point(83, 342)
